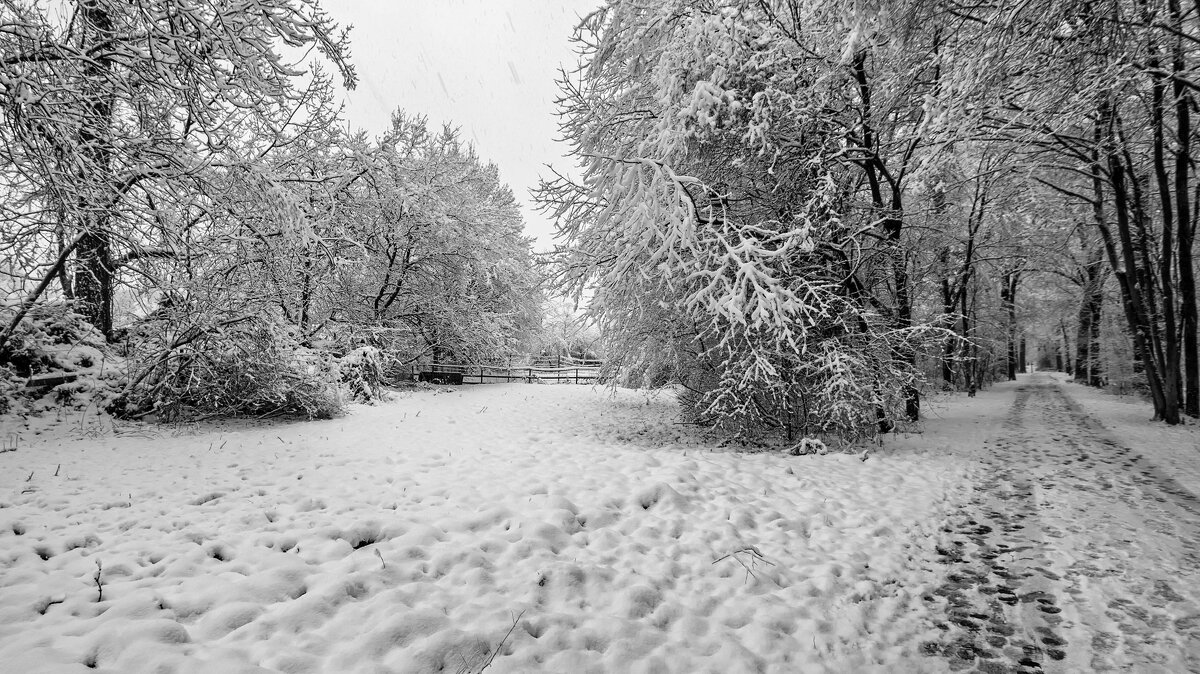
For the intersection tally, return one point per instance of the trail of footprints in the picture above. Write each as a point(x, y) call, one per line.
point(1005, 603)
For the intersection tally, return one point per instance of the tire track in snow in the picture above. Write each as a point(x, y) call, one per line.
point(1073, 554)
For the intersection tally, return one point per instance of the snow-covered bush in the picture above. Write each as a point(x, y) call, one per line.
point(808, 446)
point(8, 390)
point(51, 338)
point(362, 373)
point(186, 366)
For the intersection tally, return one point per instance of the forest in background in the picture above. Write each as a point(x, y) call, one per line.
point(804, 214)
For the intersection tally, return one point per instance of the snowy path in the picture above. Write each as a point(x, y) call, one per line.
point(1074, 554)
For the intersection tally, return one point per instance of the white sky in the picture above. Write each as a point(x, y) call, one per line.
point(488, 66)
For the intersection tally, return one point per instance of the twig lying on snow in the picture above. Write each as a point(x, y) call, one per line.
point(750, 549)
point(755, 557)
point(496, 651)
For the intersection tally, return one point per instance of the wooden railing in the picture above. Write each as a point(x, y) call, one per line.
point(454, 373)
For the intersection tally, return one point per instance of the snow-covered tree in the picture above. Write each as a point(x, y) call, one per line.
point(105, 104)
point(723, 147)
point(445, 269)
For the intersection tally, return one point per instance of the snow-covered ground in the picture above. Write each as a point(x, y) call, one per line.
point(410, 536)
point(1176, 449)
point(1077, 550)
point(528, 528)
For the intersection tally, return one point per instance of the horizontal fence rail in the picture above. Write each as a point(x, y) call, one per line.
point(456, 373)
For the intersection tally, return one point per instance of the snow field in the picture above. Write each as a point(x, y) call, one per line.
point(408, 537)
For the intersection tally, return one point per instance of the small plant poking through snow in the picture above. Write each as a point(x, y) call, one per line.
point(99, 584)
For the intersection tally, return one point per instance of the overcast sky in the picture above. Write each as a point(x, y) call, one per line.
point(486, 65)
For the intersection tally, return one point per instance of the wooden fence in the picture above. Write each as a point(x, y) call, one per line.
point(454, 373)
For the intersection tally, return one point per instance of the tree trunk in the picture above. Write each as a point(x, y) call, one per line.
point(1066, 347)
point(1087, 338)
point(1162, 388)
point(1124, 256)
point(93, 272)
point(1008, 302)
point(948, 347)
point(1095, 363)
point(1186, 226)
point(94, 278)
point(56, 270)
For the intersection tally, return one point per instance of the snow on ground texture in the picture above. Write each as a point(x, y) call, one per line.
point(1174, 449)
point(1075, 550)
point(407, 537)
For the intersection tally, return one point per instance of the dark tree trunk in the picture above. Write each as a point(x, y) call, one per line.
point(1127, 257)
point(1186, 228)
point(948, 347)
point(1087, 337)
point(1168, 363)
point(1008, 302)
point(967, 342)
point(1066, 348)
point(94, 278)
point(1095, 363)
point(1136, 281)
point(1083, 347)
point(93, 285)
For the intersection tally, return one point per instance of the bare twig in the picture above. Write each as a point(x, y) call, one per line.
point(99, 585)
point(751, 550)
point(496, 650)
point(755, 557)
